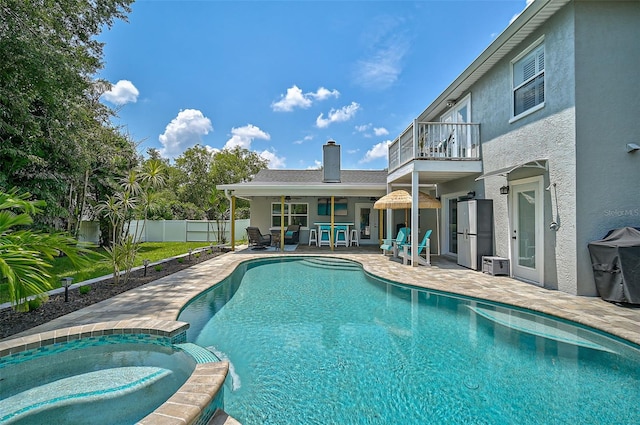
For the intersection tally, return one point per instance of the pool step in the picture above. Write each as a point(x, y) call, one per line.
point(331, 264)
point(200, 354)
point(531, 324)
point(86, 387)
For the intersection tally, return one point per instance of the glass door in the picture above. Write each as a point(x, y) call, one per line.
point(367, 223)
point(526, 236)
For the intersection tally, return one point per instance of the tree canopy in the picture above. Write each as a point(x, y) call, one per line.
point(57, 140)
point(53, 129)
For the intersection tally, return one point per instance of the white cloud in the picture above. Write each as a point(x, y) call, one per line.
point(122, 92)
point(352, 151)
point(304, 139)
point(528, 3)
point(338, 115)
point(377, 151)
point(296, 99)
point(322, 94)
point(362, 128)
point(317, 165)
point(183, 132)
point(244, 136)
point(380, 131)
point(274, 160)
point(385, 48)
point(293, 99)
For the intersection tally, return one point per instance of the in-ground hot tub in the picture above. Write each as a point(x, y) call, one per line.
point(115, 373)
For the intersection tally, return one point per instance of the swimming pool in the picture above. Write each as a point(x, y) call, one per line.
point(319, 341)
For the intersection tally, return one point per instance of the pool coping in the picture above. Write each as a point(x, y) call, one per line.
point(191, 404)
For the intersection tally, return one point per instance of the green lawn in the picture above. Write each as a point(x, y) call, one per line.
point(153, 251)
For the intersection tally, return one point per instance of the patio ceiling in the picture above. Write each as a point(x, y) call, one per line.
point(435, 172)
point(248, 190)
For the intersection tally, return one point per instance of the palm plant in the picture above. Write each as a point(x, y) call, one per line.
point(134, 199)
point(25, 255)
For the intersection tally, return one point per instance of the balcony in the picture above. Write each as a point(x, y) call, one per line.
point(440, 141)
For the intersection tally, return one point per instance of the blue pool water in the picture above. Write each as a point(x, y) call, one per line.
point(117, 379)
point(317, 341)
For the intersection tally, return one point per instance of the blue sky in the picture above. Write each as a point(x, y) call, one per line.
point(283, 77)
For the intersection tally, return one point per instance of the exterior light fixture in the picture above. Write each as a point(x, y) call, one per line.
point(146, 264)
point(471, 194)
point(504, 190)
point(66, 282)
point(632, 147)
point(451, 102)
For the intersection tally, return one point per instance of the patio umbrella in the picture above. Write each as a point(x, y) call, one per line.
point(399, 199)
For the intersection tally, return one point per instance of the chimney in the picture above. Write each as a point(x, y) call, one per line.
point(331, 162)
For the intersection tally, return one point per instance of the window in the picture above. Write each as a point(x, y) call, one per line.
point(528, 80)
point(293, 214)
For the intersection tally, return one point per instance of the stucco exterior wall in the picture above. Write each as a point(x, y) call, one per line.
point(548, 133)
point(607, 118)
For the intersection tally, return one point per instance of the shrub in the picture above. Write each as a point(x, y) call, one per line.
point(84, 289)
point(34, 304)
point(181, 260)
point(158, 268)
point(197, 255)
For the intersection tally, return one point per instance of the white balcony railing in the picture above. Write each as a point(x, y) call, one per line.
point(435, 140)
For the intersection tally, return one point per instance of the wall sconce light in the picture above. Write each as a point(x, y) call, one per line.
point(287, 198)
point(504, 190)
point(471, 194)
point(451, 102)
point(632, 147)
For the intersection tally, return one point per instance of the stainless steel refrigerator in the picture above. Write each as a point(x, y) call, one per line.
point(475, 232)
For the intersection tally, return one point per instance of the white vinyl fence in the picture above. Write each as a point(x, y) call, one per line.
point(170, 230)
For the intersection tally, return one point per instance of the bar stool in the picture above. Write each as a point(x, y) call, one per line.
point(321, 240)
point(313, 236)
point(343, 240)
point(353, 239)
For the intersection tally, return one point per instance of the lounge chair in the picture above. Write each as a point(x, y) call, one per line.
point(292, 234)
point(423, 246)
point(391, 245)
point(256, 239)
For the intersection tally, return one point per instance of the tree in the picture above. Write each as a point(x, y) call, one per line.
point(219, 206)
point(51, 120)
point(25, 255)
point(192, 179)
point(133, 201)
point(236, 165)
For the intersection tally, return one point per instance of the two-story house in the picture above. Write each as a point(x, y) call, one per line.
point(546, 123)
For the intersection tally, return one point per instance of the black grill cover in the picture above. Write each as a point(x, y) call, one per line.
point(616, 265)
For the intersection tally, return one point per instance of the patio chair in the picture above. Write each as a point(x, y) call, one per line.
point(256, 239)
point(292, 234)
point(391, 245)
point(424, 245)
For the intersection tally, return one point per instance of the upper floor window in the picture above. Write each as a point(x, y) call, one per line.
point(528, 80)
point(293, 214)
